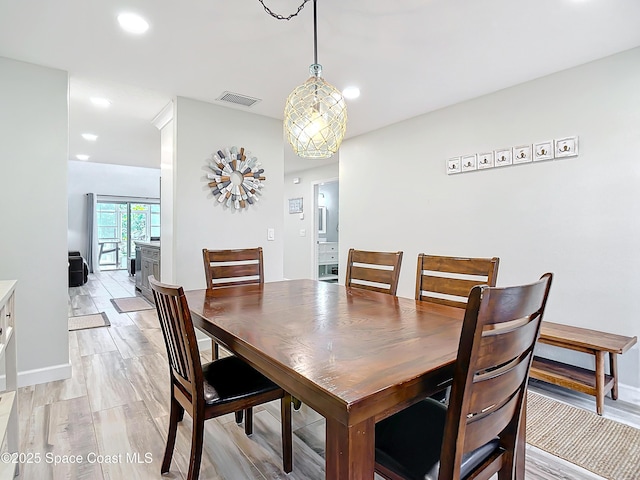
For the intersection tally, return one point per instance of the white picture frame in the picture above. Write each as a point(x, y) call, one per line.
point(543, 151)
point(453, 166)
point(566, 147)
point(469, 162)
point(502, 157)
point(485, 160)
point(521, 154)
point(295, 205)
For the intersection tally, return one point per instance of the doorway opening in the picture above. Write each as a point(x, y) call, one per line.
point(121, 222)
point(326, 231)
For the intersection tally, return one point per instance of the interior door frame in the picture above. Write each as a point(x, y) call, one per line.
point(315, 189)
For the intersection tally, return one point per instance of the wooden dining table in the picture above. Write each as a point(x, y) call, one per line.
point(352, 355)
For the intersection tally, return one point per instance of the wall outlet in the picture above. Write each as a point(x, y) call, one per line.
point(303, 232)
point(271, 234)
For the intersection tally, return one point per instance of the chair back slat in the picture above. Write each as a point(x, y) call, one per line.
point(448, 280)
point(234, 255)
point(483, 428)
point(377, 271)
point(460, 265)
point(498, 336)
point(233, 271)
point(458, 287)
point(371, 275)
point(224, 268)
point(496, 384)
point(179, 336)
point(389, 259)
point(508, 305)
point(500, 347)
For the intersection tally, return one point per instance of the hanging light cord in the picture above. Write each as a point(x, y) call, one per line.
point(282, 17)
point(315, 34)
point(289, 17)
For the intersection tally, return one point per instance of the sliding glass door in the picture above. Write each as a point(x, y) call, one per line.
point(120, 223)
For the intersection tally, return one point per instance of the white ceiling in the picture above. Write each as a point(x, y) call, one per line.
point(408, 57)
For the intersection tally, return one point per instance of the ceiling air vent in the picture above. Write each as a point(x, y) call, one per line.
point(238, 99)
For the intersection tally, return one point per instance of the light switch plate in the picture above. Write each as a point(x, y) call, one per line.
point(271, 234)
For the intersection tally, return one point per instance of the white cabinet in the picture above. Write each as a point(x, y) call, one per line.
point(328, 261)
point(8, 385)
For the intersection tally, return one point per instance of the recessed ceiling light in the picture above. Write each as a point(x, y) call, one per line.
point(101, 102)
point(351, 92)
point(82, 157)
point(90, 136)
point(132, 23)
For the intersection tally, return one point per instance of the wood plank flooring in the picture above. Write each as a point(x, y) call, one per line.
point(114, 411)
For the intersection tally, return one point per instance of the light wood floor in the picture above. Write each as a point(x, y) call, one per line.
point(113, 412)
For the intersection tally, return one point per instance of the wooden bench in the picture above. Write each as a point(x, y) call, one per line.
point(596, 383)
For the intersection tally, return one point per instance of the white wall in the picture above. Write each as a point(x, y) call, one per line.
point(33, 195)
point(576, 217)
point(103, 179)
point(298, 251)
point(199, 220)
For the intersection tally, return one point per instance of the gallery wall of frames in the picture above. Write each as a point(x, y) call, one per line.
point(503, 157)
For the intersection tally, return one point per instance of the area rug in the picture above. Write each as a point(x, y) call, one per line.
point(130, 304)
point(602, 446)
point(89, 321)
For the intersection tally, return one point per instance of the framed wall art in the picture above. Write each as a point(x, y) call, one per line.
point(295, 205)
point(237, 177)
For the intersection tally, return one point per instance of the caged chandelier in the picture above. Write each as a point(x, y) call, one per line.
point(315, 114)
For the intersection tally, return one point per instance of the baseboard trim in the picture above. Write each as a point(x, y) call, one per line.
point(629, 394)
point(44, 375)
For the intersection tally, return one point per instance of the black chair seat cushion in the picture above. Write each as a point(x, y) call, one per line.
point(410, 441)
point(229, 379)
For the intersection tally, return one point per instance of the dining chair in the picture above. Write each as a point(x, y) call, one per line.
point(377, 271)
point(207, 391)
point(448, 280)
point(476, 436)
point(226, 268)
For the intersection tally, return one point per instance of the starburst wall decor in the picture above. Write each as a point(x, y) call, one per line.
point(237, 177)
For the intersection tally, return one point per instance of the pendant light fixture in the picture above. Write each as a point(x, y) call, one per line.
point(315, 114)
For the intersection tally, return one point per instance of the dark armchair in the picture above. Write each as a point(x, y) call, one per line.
point(78, 269)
